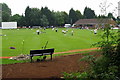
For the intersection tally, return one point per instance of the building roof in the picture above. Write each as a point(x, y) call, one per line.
point(94, 21)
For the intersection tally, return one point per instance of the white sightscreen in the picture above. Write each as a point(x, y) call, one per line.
point(9, 25)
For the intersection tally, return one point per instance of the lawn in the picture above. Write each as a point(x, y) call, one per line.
point(25, 40)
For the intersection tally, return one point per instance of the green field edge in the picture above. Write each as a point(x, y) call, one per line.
point(9, 61)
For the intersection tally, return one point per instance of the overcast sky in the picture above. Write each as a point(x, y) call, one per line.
point(19, 6)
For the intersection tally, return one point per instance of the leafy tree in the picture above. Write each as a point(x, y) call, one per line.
point(72, 16)
point(89, 13)
point(22, 21)
point(44, 21)
point(59, 18)
point(66, 17)
point(79, 15)
point(35, 16)
point(32, 16)
point(118, 20)
point(27, 16)
point(5, 17)
point(16, 18)
point(5, 8)
point(102, 16)
point(45, 11)
point(6, 12)
point(110, 15)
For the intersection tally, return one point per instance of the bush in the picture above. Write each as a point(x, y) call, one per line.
point(107, 66)
point(75, 76)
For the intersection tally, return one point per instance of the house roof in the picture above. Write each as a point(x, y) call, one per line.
point(94, 21)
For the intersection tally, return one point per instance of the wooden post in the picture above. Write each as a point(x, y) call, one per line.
point(31, 59)
point(51, 56)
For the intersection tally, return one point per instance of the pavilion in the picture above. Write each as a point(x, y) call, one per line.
point(93, 23)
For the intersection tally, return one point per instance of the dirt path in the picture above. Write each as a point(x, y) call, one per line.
point(65, 51)
point(77, 50)
point(46, 69)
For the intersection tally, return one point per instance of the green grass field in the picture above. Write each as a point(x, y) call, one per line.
point(14, 38)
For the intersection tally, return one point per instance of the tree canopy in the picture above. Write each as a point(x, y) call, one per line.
point(89, 13)
point(46, 17)
point(6, 12)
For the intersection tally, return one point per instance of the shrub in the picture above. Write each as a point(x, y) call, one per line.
point(107, 66)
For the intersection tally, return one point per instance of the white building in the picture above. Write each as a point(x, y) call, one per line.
point(9, 25)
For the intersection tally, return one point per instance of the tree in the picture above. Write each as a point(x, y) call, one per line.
point(118, 20)
point(5, 17)
point(110, 15)
point(35, 16)
point(6, 12)
point(59, 18)
point(89, 13)
point(27, 16)
point(16, 18)
point(72, 16)
point(22, 21)
point(44, 21)
point(5, 8)
point(79, 15)
point(66, 17)
point(102, 16)
point(45, 11)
